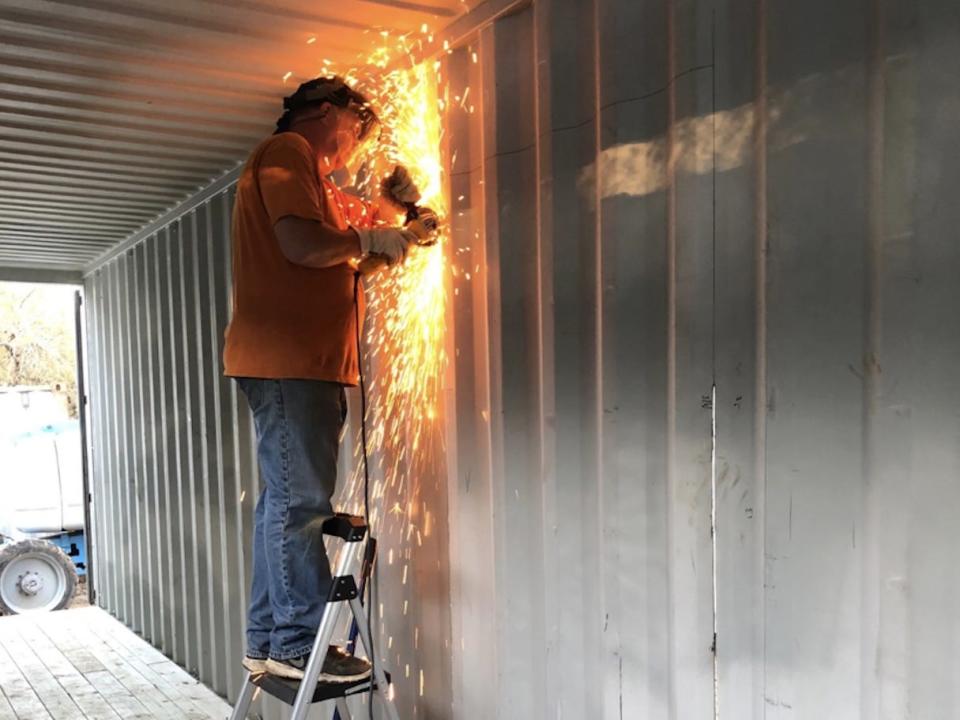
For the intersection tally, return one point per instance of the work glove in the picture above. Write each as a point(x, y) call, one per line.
point(398, 188)
point(390, 242)
point(425, 226)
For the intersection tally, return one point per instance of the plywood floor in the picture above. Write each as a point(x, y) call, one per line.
point(83, 664)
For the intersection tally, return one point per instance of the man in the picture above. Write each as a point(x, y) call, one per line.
point(291, 346)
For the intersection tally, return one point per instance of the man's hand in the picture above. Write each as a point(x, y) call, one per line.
point(425, 226)
point(391, 242)
point(399, 188)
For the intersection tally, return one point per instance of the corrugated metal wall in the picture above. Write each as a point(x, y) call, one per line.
point(837, 339)
point(651, 200)
point(583, 342)
point(657, 197)
point(173, 465)
point(174, 478)
point(172, 461)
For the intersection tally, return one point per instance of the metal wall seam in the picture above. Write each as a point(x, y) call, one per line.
point(740, 352)
point(124, 546)
point(567, 134)
point(145, 559)
point(512, 267)
point(196, 439)
point(137, 426)
point(155, 350)
point(101, 461)
point(474, 658)
point(130, 479)
point(95, 433)
point(107, 456)
point(116, 451)
point(216, 508)
point(158, 387)
point(187, 610)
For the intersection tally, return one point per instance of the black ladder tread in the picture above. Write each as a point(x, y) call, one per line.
point(350, 528)
point(286, 690)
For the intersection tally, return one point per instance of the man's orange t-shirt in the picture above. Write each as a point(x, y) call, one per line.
point(290, 321)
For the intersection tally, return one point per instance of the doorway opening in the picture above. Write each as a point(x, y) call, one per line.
point(44, 553)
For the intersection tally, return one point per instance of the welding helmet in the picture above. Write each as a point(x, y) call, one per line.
point(333, 90)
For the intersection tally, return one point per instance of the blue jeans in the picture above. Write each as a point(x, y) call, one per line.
point(298, 425)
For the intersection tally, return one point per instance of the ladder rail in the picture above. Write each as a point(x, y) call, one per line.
point(343, 709)
point(379, 675)
point(351, 529)
point(242, 706)
point(328, 625)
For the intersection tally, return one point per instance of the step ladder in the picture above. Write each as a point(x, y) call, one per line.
point(302, 694)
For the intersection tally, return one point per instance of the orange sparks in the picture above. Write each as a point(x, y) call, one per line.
point(405, 359)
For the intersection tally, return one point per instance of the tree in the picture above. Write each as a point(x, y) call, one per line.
point(37, 339)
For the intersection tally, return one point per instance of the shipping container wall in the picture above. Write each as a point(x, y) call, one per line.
point(702, 437)
point(705, 257)
point(581, 557)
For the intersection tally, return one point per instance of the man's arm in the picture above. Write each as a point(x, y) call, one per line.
point(315, 244)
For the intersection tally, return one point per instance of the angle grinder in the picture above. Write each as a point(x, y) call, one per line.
point(423, 223)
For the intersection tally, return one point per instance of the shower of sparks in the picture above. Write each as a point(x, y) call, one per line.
point(405, 359)
point(404, 349)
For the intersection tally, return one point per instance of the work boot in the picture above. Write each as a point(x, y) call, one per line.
point(254, 665)
point(339, 666)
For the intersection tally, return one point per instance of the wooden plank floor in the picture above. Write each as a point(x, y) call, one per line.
point(84, 665)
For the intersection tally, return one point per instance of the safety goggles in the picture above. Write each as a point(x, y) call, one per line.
point(336, 92)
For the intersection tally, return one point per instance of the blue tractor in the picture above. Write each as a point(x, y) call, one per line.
point(42, 544)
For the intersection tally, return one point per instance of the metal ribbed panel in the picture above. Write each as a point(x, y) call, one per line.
point(833, 394)
point(754, 197)
point(173, 470)
point(583, 332)
point(651, 199)
point(112, 112)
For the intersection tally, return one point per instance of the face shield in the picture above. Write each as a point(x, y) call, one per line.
point(357, 130)
point(356, 136)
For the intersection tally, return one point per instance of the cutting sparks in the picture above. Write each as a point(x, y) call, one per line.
point(404, 354)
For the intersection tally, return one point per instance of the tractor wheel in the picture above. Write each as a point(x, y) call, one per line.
point(35, 576)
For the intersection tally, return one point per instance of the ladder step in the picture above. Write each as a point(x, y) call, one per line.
point(286, 690)
point(349, 528)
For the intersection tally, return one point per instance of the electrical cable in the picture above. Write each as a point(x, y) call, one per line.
point(366, 487)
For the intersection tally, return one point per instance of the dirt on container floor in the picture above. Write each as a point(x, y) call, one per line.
point(80, 598)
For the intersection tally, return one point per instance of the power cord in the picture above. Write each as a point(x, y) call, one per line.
point(366, 489)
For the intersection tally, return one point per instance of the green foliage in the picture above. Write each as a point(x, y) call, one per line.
point(37, 338)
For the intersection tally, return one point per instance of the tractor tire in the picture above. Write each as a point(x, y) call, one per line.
point(35, 576)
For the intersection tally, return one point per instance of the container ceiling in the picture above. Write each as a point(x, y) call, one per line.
point(114, 111)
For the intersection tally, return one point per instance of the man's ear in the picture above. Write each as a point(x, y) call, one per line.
point(325, 111)
point(312, 112)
